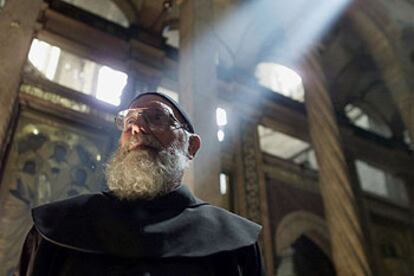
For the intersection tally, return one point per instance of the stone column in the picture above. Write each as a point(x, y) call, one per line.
point(340, 195)
point(387, 60)
point(198, 94)
point(17, 24)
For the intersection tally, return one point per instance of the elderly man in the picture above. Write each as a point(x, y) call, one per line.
point(148, 223)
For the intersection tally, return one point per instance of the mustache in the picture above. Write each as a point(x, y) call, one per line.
point(144, 140)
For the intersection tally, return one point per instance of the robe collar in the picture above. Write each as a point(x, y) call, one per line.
point(174, 225)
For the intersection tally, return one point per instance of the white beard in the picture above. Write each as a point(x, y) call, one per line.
point(144, 174)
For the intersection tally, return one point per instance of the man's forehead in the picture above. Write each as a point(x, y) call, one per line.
point(155, 101)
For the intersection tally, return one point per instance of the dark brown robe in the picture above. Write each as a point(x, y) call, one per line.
point(175, 234)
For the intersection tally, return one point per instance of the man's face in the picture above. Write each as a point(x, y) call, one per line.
point(166, 138)
point(150, 160)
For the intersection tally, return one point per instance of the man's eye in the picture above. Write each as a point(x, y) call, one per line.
point(129, 121)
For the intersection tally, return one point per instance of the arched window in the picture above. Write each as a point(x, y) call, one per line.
point(280, 79)
point(103, 8)
point(361, 119)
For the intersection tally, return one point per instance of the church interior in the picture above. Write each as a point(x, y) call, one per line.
point(305, 110)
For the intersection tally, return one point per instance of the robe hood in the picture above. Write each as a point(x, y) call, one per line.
point(173, 225)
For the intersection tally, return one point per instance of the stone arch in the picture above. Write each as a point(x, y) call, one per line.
point(304, 223)
point(368, 26)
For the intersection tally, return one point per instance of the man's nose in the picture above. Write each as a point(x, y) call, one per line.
point(138, 126)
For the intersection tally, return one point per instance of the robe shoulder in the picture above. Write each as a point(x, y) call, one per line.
point(173, 226)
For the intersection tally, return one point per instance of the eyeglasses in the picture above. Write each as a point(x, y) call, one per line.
point(157, 119)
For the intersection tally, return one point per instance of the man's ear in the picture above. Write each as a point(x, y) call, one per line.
point(194, 143)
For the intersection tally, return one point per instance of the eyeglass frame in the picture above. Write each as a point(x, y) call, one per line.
point(171, 116)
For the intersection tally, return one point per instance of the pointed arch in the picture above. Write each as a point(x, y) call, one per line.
point(301, 223)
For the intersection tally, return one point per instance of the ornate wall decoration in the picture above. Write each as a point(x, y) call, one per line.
point(251, 171)
point(54, 98)
point(48, 161)
point(65, 102)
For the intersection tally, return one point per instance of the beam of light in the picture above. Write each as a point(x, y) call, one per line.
point(270, 31)
point(110, 85)
point(277, 31)
point(308, 22)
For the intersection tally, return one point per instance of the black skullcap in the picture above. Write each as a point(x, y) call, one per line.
point(184, 115)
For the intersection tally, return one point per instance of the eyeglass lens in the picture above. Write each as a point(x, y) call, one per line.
point(155, 118)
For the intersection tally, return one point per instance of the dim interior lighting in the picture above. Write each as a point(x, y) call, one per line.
point(221, 116)
point(223, 183)
point(110, 85)
point(220, 135)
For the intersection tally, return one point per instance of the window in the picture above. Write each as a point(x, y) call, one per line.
point(172, 37)
point(286, 147)
point(110, 85)
point(77, 73)
point(225, 191)
point(221, 120)
point(224, 183)
point(103, 8)
point(360, 119)
point(44, 57)
point(376, 181)
point(2, 3)
point(280, 79)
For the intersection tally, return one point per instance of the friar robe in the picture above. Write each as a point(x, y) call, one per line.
point(174, 234)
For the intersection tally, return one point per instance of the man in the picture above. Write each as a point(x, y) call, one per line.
point(148, 223)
